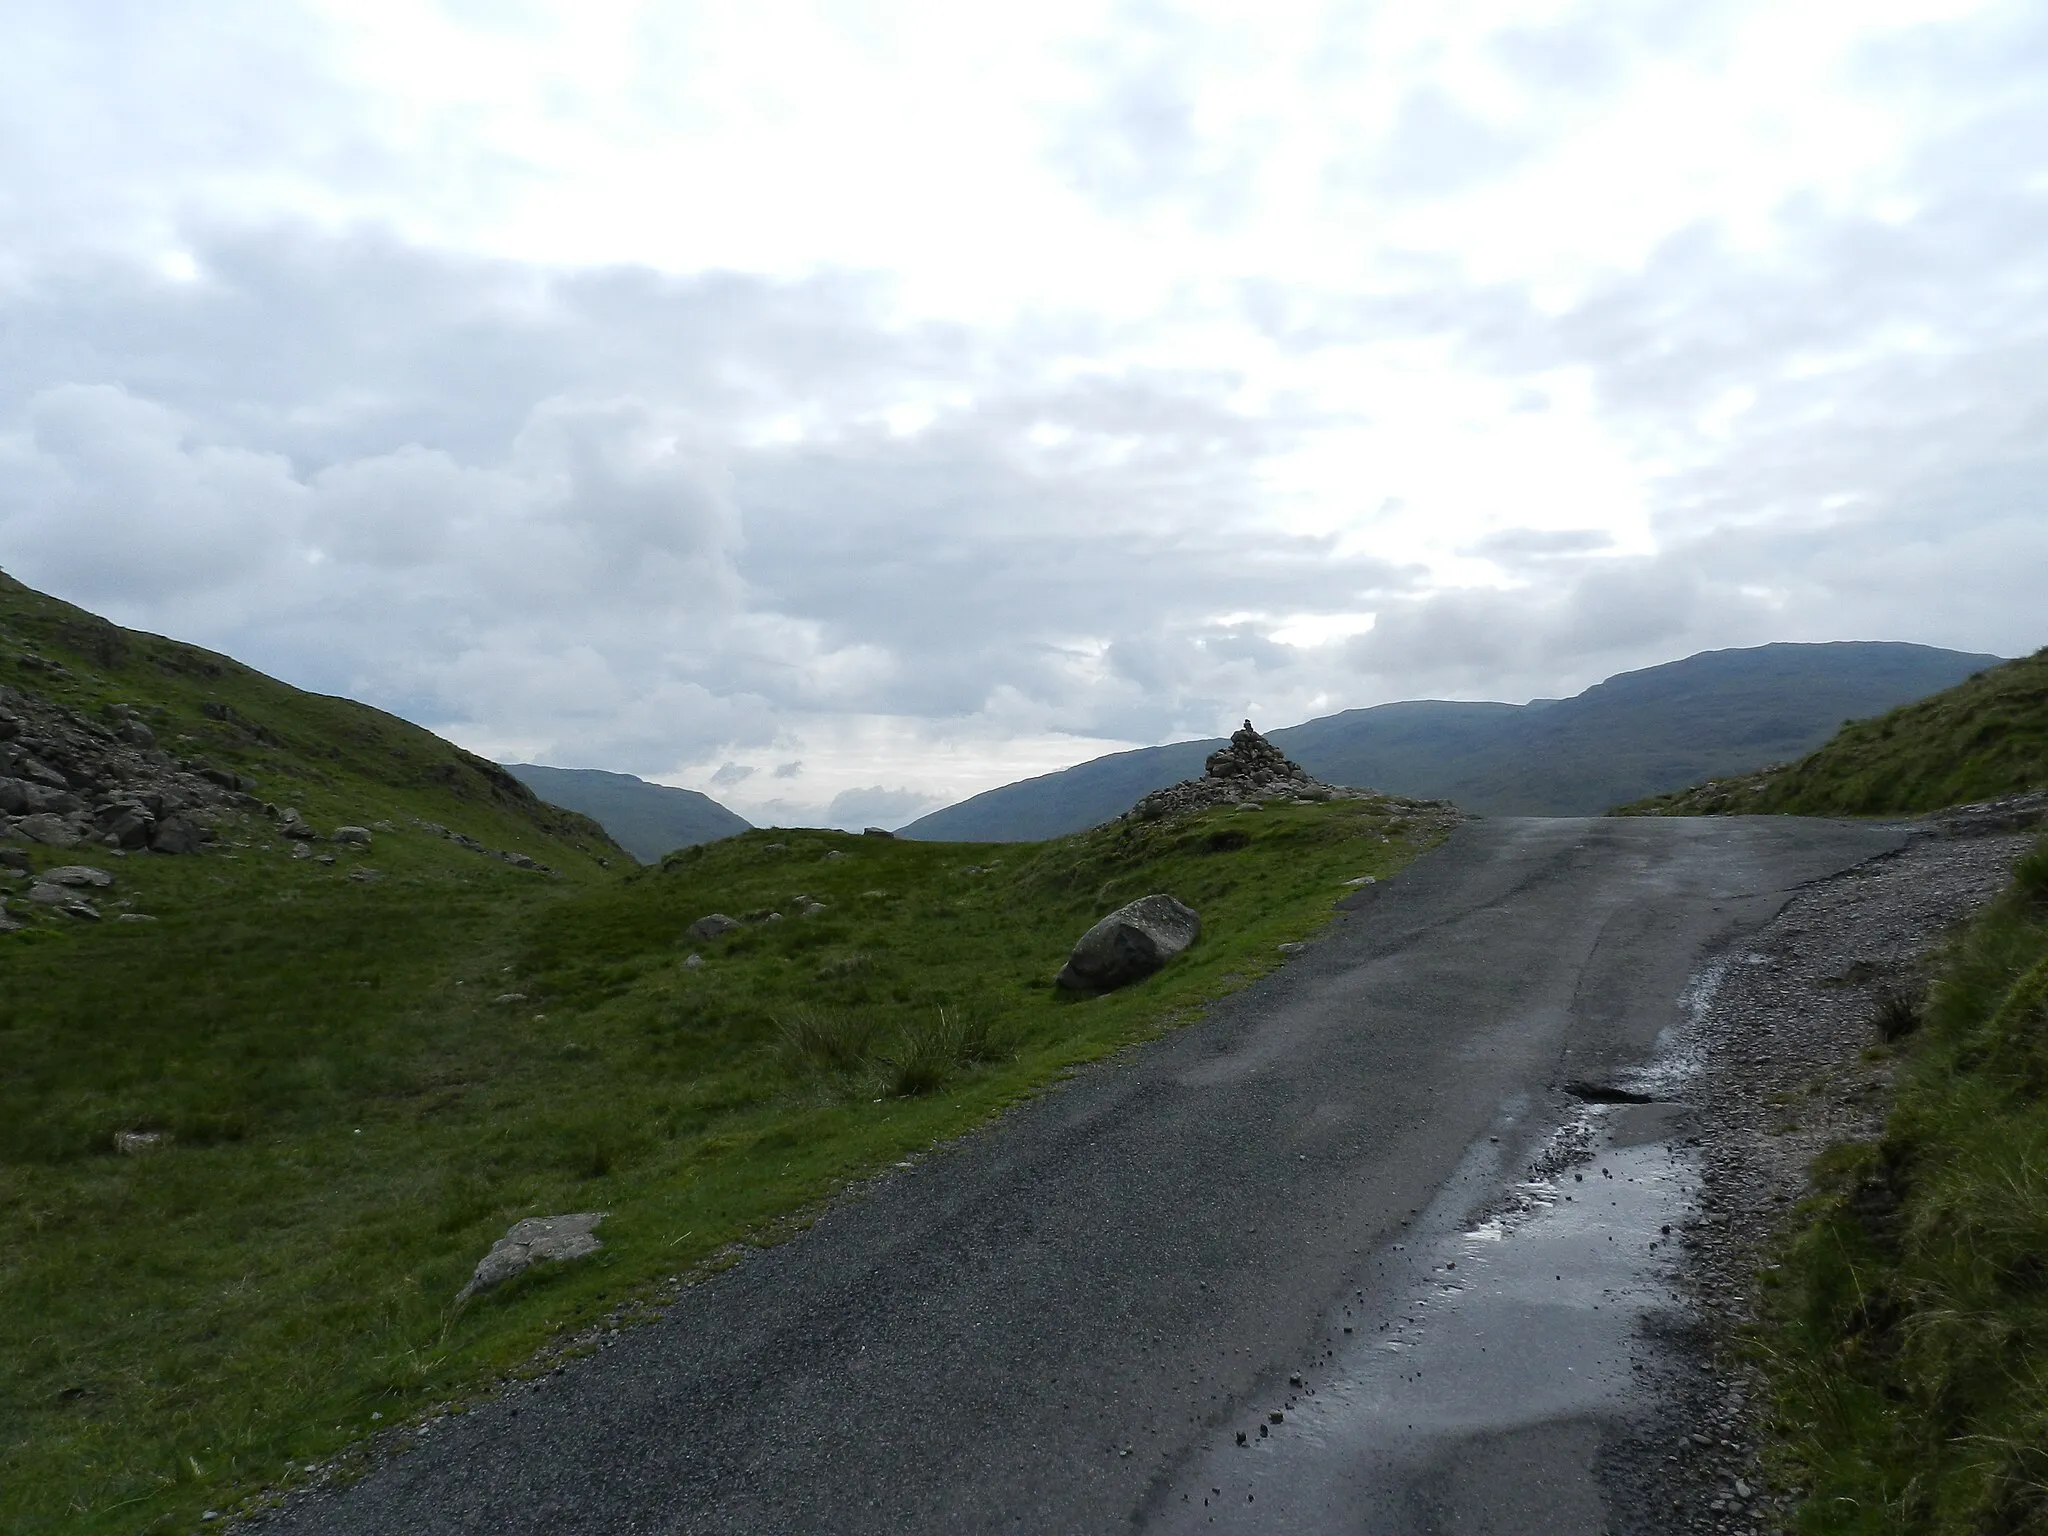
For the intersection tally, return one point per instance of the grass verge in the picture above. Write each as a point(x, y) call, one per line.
point(1906, 1336)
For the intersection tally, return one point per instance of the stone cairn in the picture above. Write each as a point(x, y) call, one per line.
point(1250, 770)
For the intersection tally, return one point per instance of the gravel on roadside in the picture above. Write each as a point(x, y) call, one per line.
point(1791, 1064)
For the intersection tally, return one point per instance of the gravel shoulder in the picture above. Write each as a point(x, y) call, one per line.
point(1790, 1064)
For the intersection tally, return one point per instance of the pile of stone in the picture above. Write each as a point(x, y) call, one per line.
point(68, 780)
point(1250, 770)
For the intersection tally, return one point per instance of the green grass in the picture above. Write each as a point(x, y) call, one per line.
point(1907, 1339)
point(1982, 739)
point(364, 1084)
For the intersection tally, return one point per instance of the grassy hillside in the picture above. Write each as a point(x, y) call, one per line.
point(1982, 739)
point(1908, 1337)
point(647, 820)
point(363, 1071)
point(1635, 734)
point(334, 760)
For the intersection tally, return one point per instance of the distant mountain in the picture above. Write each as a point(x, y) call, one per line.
point(1637, 734)
point(647, 820)
point(1983, 739)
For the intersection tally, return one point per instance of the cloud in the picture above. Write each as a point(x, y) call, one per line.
point(1196, 368)
point(878, 806)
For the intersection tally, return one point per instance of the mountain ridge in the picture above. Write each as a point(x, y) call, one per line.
point(1629, 736)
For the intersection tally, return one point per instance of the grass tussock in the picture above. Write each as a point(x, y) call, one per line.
point(1908, 1340)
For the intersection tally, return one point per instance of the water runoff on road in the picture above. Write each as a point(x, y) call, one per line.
point(1465, 1384)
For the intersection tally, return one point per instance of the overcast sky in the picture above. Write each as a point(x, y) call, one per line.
point(843, 408)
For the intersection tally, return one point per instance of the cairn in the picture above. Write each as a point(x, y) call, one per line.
point(1251, 769)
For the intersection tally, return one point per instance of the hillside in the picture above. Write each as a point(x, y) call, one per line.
point(647, 820)
point(1636, 734)
point(161, 707)
point(1985, 738)
point(269, 1097)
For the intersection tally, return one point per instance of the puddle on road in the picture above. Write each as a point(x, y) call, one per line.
point(1481, 1361)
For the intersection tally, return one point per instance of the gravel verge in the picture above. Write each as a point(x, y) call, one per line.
point(1790, 1064)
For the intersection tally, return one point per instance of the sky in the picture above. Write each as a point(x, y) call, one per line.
point(845, 408)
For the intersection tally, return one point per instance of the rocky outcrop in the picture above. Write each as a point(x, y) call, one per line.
point(1251, 769)
point(69, 780)
point(1130, 944)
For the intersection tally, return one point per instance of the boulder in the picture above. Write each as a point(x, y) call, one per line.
point(128, 825)
point(78, 875)
point(176, 834)
point(1130, 944)
point(711, 925)
point(531, 1241)
point(49, 895)
point(51, 830)
point(356, 836)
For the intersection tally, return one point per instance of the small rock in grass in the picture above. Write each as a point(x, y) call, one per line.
point(301, 851)
point(529, 1242)
point(365, 875)
point(135, 1143)
point(1292, 949)
point(48, 895)
point(78, 874)
point(358, 837)
point(1364, 880)
point(509, 997)
point(134, 917)
point(711, 925)
point(695, 962)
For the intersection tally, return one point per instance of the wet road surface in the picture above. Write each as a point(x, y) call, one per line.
point(1064, 1324)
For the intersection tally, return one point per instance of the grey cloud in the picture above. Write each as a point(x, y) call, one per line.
point(788, 770)
point(878, 806)
point(1516, 545)
point(732, 773)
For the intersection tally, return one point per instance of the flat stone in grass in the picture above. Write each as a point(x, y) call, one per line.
point(78, 874)
point(356, 836)
point(532, 1240)
point(1130, 944)
point(711, 925)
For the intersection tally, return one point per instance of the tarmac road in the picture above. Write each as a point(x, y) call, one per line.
point(1053, 1326)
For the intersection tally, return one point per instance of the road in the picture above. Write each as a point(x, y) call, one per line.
point(1063, 1324)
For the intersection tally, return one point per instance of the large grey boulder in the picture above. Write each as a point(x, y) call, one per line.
point(177, 834)
point(1130, 944)
point(50, 830)
point(531, 1241)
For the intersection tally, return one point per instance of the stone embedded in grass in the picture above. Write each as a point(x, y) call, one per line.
point(531, 1241)
point(711, 925)
point(48, 895)
point(695, 962)
point(78, 874)
point(135, 1143)
point(358, 837)
point(1130, 944)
